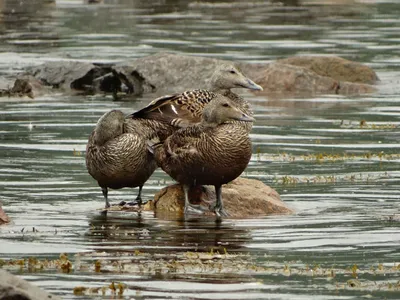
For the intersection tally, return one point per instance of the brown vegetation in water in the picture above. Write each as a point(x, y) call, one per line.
point(379, 277)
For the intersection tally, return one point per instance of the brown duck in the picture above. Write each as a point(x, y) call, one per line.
point(211, 152)
point(117, 154)
point(183, 109)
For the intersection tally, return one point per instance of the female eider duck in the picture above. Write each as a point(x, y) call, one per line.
point(211, 152)
point(117, 156)
point(181, 110)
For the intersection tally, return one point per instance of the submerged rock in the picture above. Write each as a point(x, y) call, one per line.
point(243, 198)
point(15, 288)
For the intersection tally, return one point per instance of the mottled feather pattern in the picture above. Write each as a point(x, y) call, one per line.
point(117, 154)
point(179, 110)
point(121, 162)
point(210, 155)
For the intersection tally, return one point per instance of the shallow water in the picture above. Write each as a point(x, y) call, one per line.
point(341, 178)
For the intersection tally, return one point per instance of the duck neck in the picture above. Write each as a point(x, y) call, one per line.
point(215, 88)
point(208, 124)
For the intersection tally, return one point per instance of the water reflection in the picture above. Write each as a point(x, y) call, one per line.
point(144, 232)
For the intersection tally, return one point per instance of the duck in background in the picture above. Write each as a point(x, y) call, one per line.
point(183, 109)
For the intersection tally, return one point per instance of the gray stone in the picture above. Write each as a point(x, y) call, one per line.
point(15, 288)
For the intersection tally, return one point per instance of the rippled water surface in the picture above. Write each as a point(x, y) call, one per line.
point(340, 177)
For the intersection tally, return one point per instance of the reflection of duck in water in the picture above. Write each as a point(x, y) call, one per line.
point(152, 235)
point(118, 158)
point(213, 152)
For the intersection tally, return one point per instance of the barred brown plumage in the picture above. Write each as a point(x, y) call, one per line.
point(212, 152)
point(188, 106)
point(117, 155)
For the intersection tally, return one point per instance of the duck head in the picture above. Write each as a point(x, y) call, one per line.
point(222, 110)
point(227, 77)
point(109, 126)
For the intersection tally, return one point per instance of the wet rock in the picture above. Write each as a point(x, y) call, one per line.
point(74, 75)
point(243, 198)
point(15, 288)
point(28, 85)
point(3, 217)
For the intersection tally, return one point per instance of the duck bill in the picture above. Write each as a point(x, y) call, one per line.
point(246, 118)
point(251, 85)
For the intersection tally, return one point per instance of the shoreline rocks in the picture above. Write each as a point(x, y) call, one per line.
point(165, 73)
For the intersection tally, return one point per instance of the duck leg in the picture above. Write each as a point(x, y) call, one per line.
point(190, 208)
point(105, 194)
point(219, 207)
point(139, 196)
point(137, 201)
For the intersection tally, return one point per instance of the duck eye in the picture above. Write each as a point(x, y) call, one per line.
point(225, 105)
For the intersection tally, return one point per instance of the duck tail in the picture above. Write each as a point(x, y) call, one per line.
point(153, 143)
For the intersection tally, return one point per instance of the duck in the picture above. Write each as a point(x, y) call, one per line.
point(117, 154)
point(184, 109)
point(210, 152)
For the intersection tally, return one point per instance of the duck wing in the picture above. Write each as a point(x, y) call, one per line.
point(179, 110)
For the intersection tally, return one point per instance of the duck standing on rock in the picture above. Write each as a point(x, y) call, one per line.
point(211, 152)
point(117, 154)
point(183, 109)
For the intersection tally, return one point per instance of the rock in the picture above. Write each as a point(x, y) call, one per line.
point(243, 198)
point(335, 67)
point(27, 85)
point(285, 79)
point(75, 75)
point(15, 288)
point(165, 73)
point(3, 217)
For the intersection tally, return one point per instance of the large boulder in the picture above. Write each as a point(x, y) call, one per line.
point(15, 288)
point(243, 198)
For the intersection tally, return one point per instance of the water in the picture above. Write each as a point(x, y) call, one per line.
point(341, 178)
